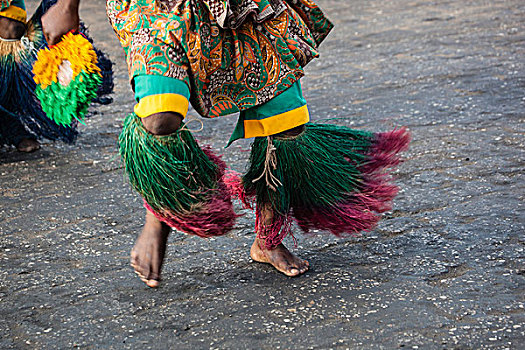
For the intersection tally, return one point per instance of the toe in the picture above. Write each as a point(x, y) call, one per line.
point(141, 276)
point(293, 269)
point(298, 268)
point(154, 272)
point(136, 267)
point(152, 283)
point(305, 266)
point(135, 263)
point(292, 272)
point(153, 280)
point(143, 271)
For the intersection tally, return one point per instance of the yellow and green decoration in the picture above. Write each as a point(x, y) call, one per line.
point(67, 78)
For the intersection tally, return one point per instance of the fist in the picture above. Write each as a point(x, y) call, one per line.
point(58, 21)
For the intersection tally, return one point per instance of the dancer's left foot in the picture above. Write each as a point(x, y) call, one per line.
point(280, 258)
point(28, 145)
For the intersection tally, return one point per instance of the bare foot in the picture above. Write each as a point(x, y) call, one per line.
point(148, 253)
point(28, 145)
point(280, 258)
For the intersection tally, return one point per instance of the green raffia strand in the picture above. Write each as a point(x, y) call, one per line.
point(314, 167)
point(170, 172)
point(63, 103)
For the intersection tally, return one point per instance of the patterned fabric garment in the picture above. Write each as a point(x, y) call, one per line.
point(4, 4)
point(233, 55)
point(14, 9)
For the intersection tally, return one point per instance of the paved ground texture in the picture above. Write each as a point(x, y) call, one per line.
point(444, 270)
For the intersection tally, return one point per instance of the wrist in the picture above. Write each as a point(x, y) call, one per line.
point(69, 5)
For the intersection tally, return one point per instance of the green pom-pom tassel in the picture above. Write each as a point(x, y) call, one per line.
point(63, 104)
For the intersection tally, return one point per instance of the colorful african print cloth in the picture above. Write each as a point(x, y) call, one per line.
point(14, 9)
point(281, 113)
point(232, 55)
point(156, 94)
point(21, 115)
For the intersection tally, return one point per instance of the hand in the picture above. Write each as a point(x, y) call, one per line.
point(59, 20)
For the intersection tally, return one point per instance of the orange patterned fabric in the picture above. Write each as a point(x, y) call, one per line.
point(14, 9)
point(4, 4)
point(233, 55)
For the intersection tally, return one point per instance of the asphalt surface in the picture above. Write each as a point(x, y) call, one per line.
point(443, 270)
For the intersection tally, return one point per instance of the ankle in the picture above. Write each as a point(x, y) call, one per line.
point(266, 213)
point(155, 225)
point(261, 244)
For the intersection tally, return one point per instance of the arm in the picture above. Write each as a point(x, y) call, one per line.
point(60, 19)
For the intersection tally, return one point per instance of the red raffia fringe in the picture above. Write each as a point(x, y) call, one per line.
point(213, 218)
point(360, 210)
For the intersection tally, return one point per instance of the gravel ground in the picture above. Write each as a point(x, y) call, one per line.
point(443, 270)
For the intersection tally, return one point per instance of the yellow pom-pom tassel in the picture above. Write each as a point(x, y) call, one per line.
point(74, 48)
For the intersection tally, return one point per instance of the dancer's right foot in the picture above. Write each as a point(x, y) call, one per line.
point(11, 29)
point(148, 253)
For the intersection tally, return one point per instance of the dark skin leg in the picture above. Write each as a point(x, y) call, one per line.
point(148, 253)
point(279, 257)
point(11, 29)
point(149, 250)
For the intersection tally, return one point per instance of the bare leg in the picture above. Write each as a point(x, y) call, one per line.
point(279, 257)
point(148, 253)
